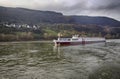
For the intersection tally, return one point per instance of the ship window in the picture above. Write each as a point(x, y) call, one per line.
point(68, 39)
point(74, 39)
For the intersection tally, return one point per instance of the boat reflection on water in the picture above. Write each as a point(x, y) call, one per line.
point(57, 50)
point(62, 50)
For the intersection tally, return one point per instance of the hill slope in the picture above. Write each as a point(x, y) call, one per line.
point(21, 15)
point(95, 20)
point(28, 16)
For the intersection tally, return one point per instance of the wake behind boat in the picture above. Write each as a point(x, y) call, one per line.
point(76, 40)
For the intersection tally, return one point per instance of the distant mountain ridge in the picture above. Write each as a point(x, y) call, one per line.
point(105, 21)
point(28, 16)
point(21, 15)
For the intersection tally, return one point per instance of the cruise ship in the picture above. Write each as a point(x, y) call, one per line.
point(76, 40)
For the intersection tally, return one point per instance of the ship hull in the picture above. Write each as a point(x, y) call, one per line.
point(67, 43)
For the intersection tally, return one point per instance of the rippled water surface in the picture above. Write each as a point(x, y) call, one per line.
point(41, 60)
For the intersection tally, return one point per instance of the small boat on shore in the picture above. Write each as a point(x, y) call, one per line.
point(76, 40)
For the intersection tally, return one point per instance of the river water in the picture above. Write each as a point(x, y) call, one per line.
point(42, 60)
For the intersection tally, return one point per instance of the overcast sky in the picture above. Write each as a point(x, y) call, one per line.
point(110, 8)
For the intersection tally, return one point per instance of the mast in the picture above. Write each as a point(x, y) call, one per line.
point(59, 35)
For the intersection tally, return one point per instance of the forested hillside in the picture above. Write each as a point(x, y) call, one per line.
point(18, 24)
point(28, 16)
point(51, 31)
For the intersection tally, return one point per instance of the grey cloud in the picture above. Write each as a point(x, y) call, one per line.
point(72, 7)
point(110, 8)
point(82, 6)
point(65, 7)
point(108, 5)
